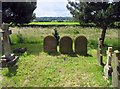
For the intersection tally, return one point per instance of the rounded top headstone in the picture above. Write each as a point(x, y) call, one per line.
point(81, 37)
point(66, 45)
point(50, 44)
point(81, 45)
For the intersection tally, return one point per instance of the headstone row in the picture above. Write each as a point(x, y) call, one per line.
point(66, 45)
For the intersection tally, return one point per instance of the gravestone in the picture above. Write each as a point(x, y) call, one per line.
point(66, 45)
point(7, 59)
point(99, 52)
point(0, 48)
point(0, 13)
point(6, 33)
point(116, 70)
point(0, 35)
point(50, 44)
point(108, 68)
point(81, 45)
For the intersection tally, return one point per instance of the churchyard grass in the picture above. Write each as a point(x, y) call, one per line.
point(38, 69)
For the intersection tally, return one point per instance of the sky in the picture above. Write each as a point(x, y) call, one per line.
point(52, 8)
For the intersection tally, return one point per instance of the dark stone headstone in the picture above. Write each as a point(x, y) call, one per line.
point(50, 44)
point(81, 45)
point(66, 45)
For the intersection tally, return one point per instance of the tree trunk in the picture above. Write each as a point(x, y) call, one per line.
point(103, 34)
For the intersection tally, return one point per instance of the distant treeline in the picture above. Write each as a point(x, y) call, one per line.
point(50, 19)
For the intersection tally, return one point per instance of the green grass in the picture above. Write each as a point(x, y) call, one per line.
point(54, 23)
point(38, 69)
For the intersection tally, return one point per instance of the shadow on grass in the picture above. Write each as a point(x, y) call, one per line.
point(58, 54)
point(12, 71)
point(69, 54)
point(33, 48)
point(53, 53)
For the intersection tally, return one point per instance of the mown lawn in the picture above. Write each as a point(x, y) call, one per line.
point(54, 23)
point(38, 69)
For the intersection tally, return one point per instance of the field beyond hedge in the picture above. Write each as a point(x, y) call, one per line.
point(54, 23)
point(38, 69)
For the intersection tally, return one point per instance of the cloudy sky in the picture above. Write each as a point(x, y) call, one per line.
point(52, 8)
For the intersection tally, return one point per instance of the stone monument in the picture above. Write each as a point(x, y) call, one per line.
point(108, 68)
point(7, 59)
point(116, 70)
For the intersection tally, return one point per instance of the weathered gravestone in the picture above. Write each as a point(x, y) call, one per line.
point(81, 45)
point(66, 45)
point(50, 44)
point(116, 70)
point(108, 68)
point(0, 49)
point(6, 43)
point(0, 12)
point(0, 33)
point(8, 59)
point(99, 52)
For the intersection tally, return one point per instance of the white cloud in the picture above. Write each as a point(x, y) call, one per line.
point(52, 0)
point(52, 8)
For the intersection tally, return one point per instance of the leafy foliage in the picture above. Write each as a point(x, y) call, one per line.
point(18, 12)
point(103, 14)
point(56, 35)
point(100, 13)
point(20, 38)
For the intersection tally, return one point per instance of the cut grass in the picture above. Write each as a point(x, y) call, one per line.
point(54, 23)
point(46, 70)
point(38, 69)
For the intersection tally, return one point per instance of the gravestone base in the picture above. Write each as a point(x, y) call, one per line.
point(108, 71)
point(9, 61)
